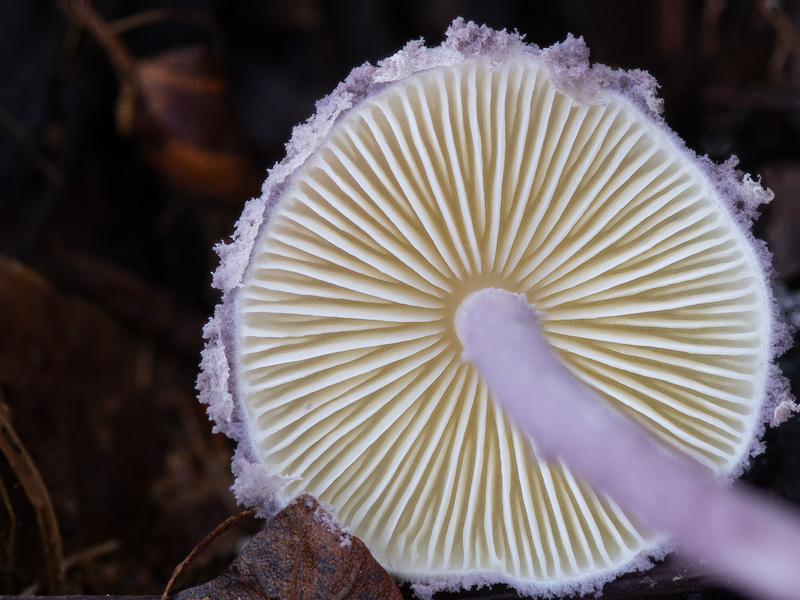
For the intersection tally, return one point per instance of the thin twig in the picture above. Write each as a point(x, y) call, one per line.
point(84, 14)
point(91, 553)
point(12, 537)
point(81, 12)
point(227, 524)
point(35, 489)
point(42, 163)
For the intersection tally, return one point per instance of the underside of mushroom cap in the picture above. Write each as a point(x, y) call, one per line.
point(485, 162)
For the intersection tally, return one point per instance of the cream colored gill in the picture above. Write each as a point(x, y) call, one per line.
point(467, 177)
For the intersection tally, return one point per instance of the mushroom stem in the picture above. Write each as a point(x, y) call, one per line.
point(744, 538)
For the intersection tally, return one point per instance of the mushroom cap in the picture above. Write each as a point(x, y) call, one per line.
point(485, 162)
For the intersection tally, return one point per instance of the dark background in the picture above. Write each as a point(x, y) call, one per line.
point(129, 141)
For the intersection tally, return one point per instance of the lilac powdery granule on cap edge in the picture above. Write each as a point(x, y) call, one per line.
point(253, 485)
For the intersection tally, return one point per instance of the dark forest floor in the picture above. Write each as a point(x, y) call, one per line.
point(112, 196)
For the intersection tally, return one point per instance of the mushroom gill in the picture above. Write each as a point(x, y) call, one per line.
point(467, 170)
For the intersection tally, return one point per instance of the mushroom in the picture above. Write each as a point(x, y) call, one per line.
point(740, 536)
point(335, 359)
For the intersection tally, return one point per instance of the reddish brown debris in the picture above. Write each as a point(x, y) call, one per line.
point(180, 106)
point(301, 553)
point(188, 127)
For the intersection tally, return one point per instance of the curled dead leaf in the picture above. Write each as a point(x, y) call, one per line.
point(179, 105)
point(301, 554)
point(188, 126)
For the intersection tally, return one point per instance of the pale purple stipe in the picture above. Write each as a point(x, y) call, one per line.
point(742, 537)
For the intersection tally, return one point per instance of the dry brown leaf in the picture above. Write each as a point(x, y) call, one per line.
point(179, 105)
point(189, 128)
point(302, 554)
